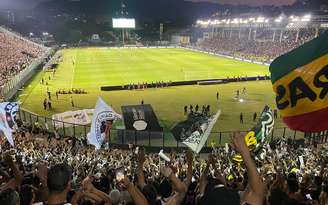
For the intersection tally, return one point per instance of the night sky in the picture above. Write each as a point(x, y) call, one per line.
point(251, 2)
point(27, 4)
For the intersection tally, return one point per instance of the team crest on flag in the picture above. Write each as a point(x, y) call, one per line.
point(300, 81)
point(8, 113)
point(102, 121)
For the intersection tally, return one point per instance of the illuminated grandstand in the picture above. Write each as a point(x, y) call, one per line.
point(258, 38)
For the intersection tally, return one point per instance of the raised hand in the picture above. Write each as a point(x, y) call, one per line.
point(87, 184)
point(42, 172)
point(126, 182)
point(166, 171)
point(141, 156)
point(212, 160)
point(189, 157)
point(239, 144)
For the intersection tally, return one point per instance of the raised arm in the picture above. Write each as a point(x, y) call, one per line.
point(177, 199)
point(168, 173)
point(217, 172)
point(18, 177)
point(137, 196)
point(92, 192)
point(141, 160)
point(42, 173)
point(255, 191)
point(189, 159)
point(203, 180)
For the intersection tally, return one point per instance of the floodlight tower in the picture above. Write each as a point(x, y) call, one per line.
point(123, 14)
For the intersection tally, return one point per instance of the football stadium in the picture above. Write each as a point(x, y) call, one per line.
point(186, 102)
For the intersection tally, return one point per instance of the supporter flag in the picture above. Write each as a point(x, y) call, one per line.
point(198, 138)
point(258, 134)
point(8, 112)
point(103, 117)
point(300, 81)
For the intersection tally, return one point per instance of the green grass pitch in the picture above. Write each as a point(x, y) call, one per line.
point(96, 67)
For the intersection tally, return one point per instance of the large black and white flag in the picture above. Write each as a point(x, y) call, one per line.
point(257, 136)
point(103, 115)
point(8, 113)
point(198, 138)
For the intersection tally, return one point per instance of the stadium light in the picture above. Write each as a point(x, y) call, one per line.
point(215, 22)
point(306, 18)
point(296, 19)
point(201, 22)
point(278, 20)
point(260, 19)
point(235, 21)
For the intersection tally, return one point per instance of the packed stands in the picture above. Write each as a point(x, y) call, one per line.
point(257, 38)
point(43, 168)
point(262, 49)
point(16, 54)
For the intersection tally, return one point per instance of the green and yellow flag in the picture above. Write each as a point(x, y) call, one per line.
point(300, 81)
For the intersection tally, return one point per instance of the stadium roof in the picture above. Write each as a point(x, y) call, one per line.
point(292, 21)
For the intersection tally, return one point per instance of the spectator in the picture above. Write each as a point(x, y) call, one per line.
point(16, 54)
point(59, 184)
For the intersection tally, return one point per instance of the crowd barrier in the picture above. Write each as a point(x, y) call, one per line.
point(156, 140)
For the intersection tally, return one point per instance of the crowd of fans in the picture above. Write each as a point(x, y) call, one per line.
point(43, 169)
point(16, 54)
point(262, 48)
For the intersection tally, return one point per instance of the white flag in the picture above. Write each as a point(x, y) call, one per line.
point(8, 112)
point(301, 162)
point(197, 140)
point(102, 115)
